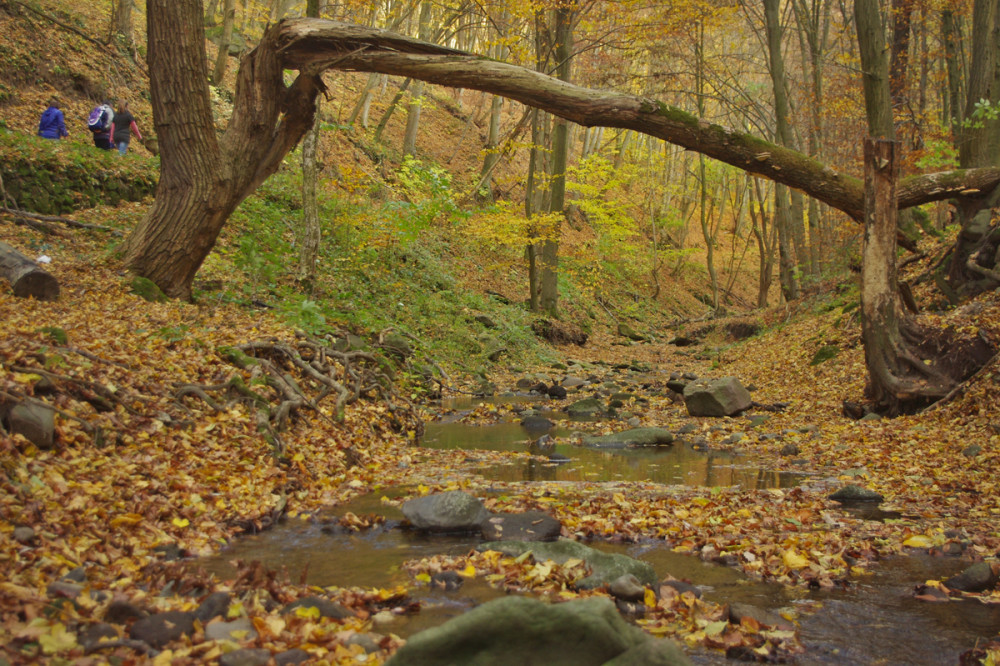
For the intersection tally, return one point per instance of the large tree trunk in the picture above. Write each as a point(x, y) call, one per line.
point(204, 178)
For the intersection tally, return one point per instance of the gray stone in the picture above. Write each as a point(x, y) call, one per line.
point(292, 657)
point(677, 385)
point(366, 641)
point(853, 493)
point(523, 631)
point(716, 397)
point(77, 575)
point(573, 382)
point(605, 567)
point(687, 428)
point(213, 606)
point(35, 422)
point(627, 331)
point(790, 450)
point(64, 589)
point(980, 577)
point(325, 607)
point(452, 511)
point(972, 451)
point(524, 383)
point(871, 416)
point(739, 611)
point(449, 581)
point(633, 437)
point(527, 526)
point(628, 588)
point(536, 424)
point(92, 634)
point(159, 629)
point(246, 657)
point(681, 587)
point(485, 320)
point(634, 422)
point(120, 611)
point(24, 534)
point(586, 407)
point(397, 345)
point(556, 392)
point(240, 629)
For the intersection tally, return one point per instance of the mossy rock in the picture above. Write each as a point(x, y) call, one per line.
point(148, 290)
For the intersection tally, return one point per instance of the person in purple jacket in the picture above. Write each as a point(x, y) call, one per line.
point(52, 125)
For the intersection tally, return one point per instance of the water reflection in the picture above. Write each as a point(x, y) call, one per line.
point(669, 465)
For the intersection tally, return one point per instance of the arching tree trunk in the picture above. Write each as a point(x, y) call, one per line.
point(203, 178)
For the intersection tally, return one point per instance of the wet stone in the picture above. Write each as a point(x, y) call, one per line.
point(449, 581)
point(326, 607)
point(681, 586)
point(24, 534)
point(980, 577)
point(367, 642)
point(77, 575)
point(526, 526)
point(92, 634)
point(239, 629)
point(853, 493)
point(64, 589)
point(556, 392)
point(536, 424)
point(213, 606)
point(291, 657)
point(246, 657)
point(739, 611)
point(158, 630)
point(452, 511)
point(120, 611)
point(790, 450)
point(627, 588)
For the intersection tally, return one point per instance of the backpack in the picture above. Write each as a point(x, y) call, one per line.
point(99, 119)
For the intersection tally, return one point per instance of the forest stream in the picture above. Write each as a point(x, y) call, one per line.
point(875, 620)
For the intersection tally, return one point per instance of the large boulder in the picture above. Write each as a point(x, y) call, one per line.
point(523, 631)
point(627, 438)
point(716, 397)
point(605, 567)
point(452, 511)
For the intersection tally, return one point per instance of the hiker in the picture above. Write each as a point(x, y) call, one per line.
point(123, 127)
point(99, 123)
point(52, 124)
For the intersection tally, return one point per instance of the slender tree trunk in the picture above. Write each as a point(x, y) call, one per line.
point(222, 57)
point(310, 235)
point(123, 21)
point(951, 49)
point(563, 18)
point(492, 152)
point(211, 7)
point(790, 216)
point(393, 105)
point(417, 91)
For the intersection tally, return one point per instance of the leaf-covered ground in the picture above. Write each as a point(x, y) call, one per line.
point(140, 475)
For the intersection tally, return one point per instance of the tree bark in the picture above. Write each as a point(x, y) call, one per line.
point(310, 234)
point(123, 21)
point(202, 178)
point(26, 278)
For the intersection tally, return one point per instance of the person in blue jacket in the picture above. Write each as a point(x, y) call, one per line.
point(52, 125)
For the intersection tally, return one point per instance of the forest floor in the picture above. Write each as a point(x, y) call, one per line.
point(139, 476)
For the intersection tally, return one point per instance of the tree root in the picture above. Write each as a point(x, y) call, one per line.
point(299, 375)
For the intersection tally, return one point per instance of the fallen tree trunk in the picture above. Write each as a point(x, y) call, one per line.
point(25, 276)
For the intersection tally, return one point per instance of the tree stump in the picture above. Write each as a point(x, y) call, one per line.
point(25, 276)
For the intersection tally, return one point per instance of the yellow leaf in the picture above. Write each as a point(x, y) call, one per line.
point(128, 519)
point(649, 598)
point(308, 612)
point(57, 640)
point(422, 489)
point(180, 522)
point(423, 577)
point(235, 610)
point(919, 541)
point(793, 560)
point(468, 572)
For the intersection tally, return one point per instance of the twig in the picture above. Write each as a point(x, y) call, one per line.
point(16, 212)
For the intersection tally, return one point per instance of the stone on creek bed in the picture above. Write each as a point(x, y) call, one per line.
point(630, 438)
point(452, 511)
point(523, 631)
point(605, 567)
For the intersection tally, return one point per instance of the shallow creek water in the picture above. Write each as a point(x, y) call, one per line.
point(877, 621)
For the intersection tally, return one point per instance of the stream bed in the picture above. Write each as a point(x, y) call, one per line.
point(876, 621)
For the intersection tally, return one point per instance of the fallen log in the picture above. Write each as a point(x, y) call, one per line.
point(25, 276)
